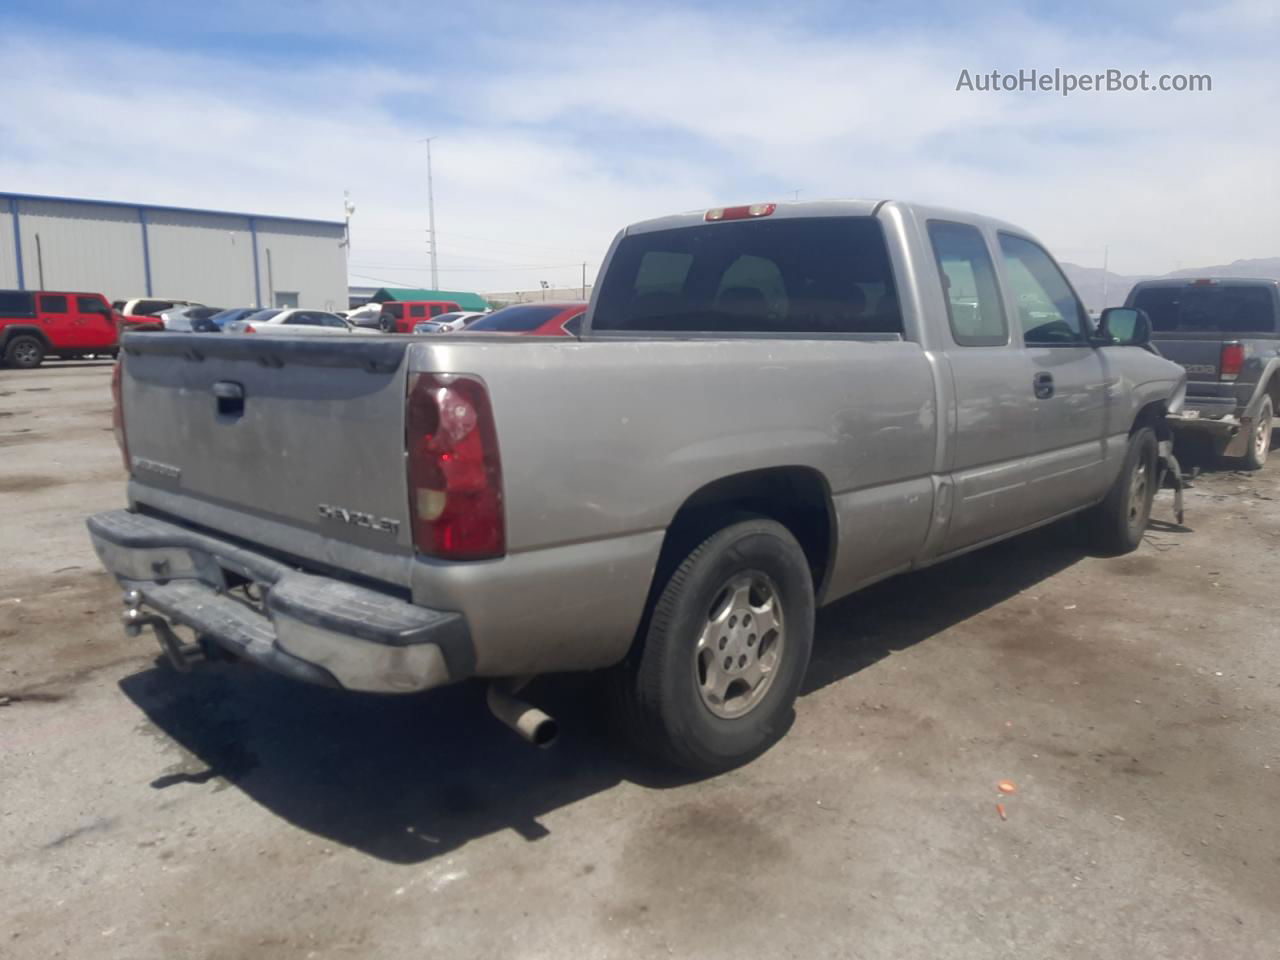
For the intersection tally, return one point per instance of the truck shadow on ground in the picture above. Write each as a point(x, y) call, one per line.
point(406, 779)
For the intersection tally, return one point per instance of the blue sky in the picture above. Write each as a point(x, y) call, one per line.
point(559, 123)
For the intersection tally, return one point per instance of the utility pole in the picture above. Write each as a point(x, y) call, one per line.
point(584, 281)
point(431, 218)
point(1106, 250)
point(795, 195)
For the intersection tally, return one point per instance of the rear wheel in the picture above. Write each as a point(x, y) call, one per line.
point(720, 664)
point(24, 352)
point(1255, 456)
point(1119, 521)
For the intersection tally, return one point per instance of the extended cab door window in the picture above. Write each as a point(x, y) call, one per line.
point(969, 283)
point(1048, 309)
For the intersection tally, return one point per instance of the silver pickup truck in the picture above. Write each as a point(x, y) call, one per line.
point(768, 407)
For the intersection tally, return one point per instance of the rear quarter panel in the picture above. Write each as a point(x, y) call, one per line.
point(602, 442)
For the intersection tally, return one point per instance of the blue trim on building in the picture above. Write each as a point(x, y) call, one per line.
point(150, 206)
point(257, 278)
point(17, 241)
point(146, 249)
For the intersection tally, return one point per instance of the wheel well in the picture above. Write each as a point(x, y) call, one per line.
point(9, 333)
point(1153, 416)
point(796, 497)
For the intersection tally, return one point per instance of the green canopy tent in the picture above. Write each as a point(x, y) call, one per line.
point(465, 301)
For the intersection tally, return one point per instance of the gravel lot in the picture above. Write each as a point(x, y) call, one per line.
point(229, 813)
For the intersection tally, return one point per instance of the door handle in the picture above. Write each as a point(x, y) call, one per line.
point(1043, 385)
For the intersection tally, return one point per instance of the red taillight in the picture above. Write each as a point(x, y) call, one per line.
point(740, 213)
point(1204, 282)
point(455, 477)
point(117, 414)
point(1232, 360)
point(249, 329)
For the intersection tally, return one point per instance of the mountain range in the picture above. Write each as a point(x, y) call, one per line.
point(1100, 288)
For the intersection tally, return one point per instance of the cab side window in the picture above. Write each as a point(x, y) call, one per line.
point(969, 282)
point(1048, 309)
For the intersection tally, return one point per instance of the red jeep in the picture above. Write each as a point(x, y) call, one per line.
point(37, 324)
point(401, 315)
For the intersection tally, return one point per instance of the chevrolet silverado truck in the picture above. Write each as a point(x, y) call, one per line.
point(767, 408)
point(1225, 332)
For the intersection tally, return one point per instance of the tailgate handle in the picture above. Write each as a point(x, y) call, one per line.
point(230, 397)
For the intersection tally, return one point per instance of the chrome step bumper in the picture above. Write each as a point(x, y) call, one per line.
point(313, 628)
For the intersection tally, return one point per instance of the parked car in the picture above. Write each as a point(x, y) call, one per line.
point(400, 316)
point(366, 315)
point(459, 319)
point(1225, 332)
point(533, 319)
point(63, 324)
point(191, 319)
point(292, 322)
point(430, 326)
point(769, 407)
point(222, 318)
point(142, 313)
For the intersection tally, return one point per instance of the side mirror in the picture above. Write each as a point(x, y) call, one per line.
point(1124, 327)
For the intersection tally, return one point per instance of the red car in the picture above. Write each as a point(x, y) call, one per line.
point(34, 325)
point(400, 316)
point(533, 319)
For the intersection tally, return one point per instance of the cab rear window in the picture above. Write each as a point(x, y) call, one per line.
point(828, 275)
point(1226, 308)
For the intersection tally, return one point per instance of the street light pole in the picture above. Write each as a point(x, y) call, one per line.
point(431, 218)
point(1106, 250)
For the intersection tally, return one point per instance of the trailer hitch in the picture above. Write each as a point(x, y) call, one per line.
point(180, 655)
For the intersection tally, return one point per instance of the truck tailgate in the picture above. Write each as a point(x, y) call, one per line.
point(286, 435)
point(1198, 355)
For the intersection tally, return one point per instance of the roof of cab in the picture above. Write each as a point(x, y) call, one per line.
point(831, 208)
point(1209, 280)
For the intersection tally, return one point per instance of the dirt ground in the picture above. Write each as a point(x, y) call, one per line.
point(231, 813)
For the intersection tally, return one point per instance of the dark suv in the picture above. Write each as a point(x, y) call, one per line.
point(1225, 332)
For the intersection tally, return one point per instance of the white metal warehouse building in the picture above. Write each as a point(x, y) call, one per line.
point(126, 250)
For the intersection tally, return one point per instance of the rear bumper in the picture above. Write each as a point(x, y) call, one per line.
point(1193, 419)
point(313, 628)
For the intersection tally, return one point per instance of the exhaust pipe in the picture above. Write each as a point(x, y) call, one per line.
point(524, 718)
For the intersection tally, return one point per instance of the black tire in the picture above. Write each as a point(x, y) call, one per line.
point(386, 324)
point(661, 686)
point(1255, 457)
point(1119, 521)
point(24, 352)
